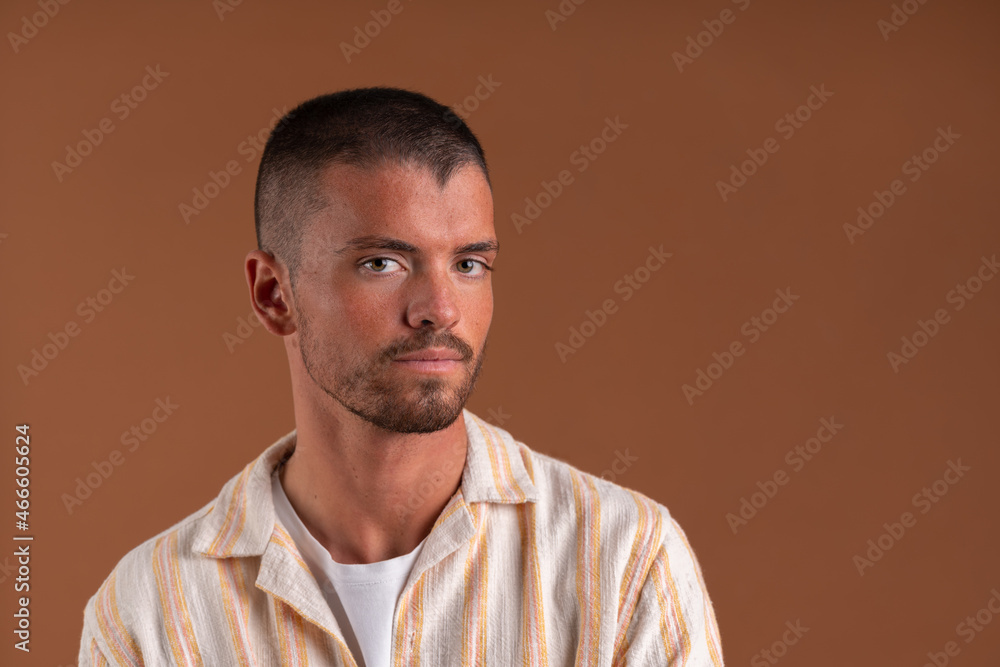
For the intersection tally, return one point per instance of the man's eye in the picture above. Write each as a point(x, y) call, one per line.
point(380, 264)
point(472, 267)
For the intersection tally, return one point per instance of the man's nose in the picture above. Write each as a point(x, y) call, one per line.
point(432, 301)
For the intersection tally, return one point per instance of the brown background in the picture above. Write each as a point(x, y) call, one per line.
point(163, 336)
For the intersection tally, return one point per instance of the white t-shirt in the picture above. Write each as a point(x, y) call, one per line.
point(362, 597)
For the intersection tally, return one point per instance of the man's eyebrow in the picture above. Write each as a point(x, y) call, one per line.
point(479, 246)
point(398, 245)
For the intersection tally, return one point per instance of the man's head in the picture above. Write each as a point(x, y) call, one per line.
point(374, 220)
point(364, 127)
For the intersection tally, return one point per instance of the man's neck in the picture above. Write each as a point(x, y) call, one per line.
point(366, 494)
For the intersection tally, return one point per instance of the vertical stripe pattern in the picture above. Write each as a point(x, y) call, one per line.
point(233, 590)
point(648, 534)
point(291, 636)
point(533, 612)
point(502, 469)
point(588, 566)
point(116, 636)
point(476, 585)
point(409, 632)
point(712, 639)
point(282, 539)
point(176, 619)
point(531, 562)
point(676, 642)
point(235, 517)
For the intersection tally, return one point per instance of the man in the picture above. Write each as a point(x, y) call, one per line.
point(392, 525)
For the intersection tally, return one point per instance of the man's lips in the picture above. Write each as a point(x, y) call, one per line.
point(433, 360)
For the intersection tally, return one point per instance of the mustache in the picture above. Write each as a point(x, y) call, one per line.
point(428, 340)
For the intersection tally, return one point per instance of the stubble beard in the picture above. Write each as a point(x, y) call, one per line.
point(371, 389)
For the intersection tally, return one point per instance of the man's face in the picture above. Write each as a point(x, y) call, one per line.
point(395, 266)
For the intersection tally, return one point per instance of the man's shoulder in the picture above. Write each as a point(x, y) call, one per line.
point(123, 608)
point(556, 481)
point(210, 530)
point(181, 534)
point(134, 573)
point(237, 511)
point(566, 490)
point(601, 525)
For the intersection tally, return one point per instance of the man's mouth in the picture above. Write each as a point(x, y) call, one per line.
point(430, 360)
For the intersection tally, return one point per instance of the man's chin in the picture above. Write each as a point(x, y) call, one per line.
point(428, 408)
point(415, 421)
point(407, 402)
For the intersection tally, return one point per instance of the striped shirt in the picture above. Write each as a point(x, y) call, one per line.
point(531, 562)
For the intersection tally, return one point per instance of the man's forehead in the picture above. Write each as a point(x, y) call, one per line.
point(404, 202)
point(402, 179)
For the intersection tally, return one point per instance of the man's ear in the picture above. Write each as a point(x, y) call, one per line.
point(270, 290)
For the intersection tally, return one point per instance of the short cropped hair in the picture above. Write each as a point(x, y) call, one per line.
point(363, 127)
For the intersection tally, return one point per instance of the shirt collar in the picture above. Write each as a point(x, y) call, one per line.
point(494, 467)
point(242, 517)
